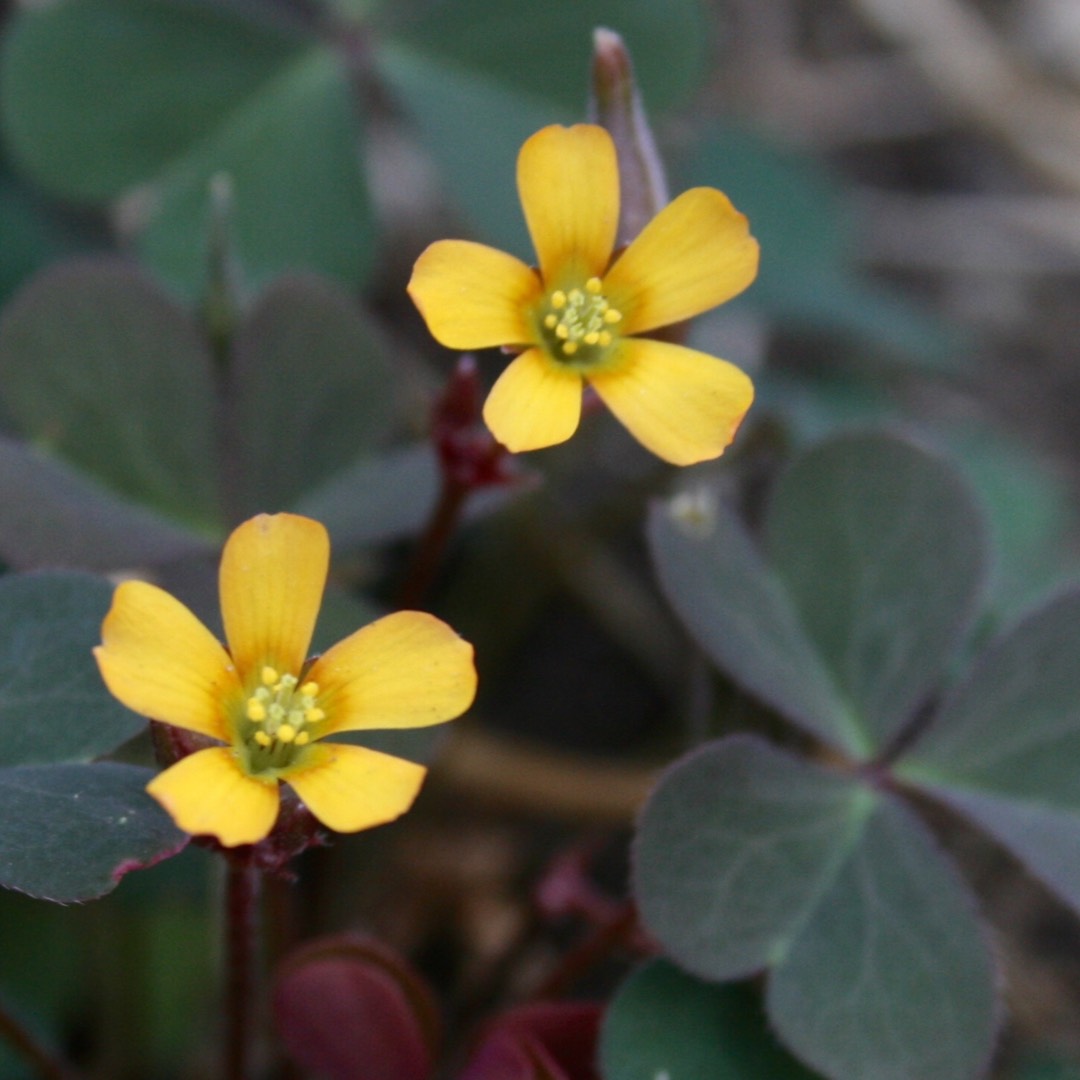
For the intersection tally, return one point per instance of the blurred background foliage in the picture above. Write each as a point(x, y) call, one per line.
point(208, 212)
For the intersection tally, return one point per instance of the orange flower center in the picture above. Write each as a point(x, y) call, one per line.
point(280, 715)
point(578, 325)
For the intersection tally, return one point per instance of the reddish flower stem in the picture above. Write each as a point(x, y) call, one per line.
point(618, 929)
point(243, 889)
point(431, 547)
point(40, 1060)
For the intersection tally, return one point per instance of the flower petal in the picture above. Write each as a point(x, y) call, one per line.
point(354, 788)
point(472, 296)
point(273, 571)
point(208, 794)
point(534, 403)
point(683, 405)
point(405, 670)
point(695, 254)
point(159, 660)
point(568, 180)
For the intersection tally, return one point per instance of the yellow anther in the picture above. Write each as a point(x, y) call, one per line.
point(569, 347)
point(310, 689)
point(591, 338)
point(558, 299)
point(256, 711)
point(593, 285)
point(269, 676)
point(561, 332)
point(550, 320)
point(302, 739)
point(286, 733)
point(263, 739)
point(603, 338)
point(612, 316)
point(314, 715)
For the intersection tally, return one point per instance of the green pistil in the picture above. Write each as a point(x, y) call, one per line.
point(578, 326)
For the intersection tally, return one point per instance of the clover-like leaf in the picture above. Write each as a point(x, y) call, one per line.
point(70, 832)
point(734, 848)
point(1004, 745)
point(664, 1022)
point(56, 516)
point(192, 91)
point(883, 551)
point(53, 705)
point(313, 390)
point(738, 612)
point(102, 368)
point(891, 976)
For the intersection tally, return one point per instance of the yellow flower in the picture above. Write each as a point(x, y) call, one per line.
point(578, 317)
point(265, 703)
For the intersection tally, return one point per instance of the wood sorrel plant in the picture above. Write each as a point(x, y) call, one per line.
point(203, 420)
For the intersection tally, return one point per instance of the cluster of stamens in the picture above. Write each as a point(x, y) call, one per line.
point(282, 711)
point(580, 318)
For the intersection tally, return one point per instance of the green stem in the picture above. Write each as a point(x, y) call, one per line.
point(243, 887)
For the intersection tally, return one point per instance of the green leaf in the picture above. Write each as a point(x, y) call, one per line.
point(56, 517)
point(738, 612)
point(809, 273)
point(891, 975)
point(195, 90)
point(884, 553)
point(735, 847)
point(53, 705)
point(544, 47)
point(1004, 746)
point(376, 499)
point(299, 200)
point(169, 72)
point(664, 1022)
point(70, 832)
point(312, 390)
point(100, 367)
point(473, 127)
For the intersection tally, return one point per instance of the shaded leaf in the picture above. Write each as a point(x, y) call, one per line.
point(169, 71)
point(380, 498)
point(53, 516)
point(883, 551)
point(473, 127)
point(810, 275)
point(70, 832)
point(195, 90)
point(664, 1022)
point(299, 199)
point(739, 613)
point(312, 390)
point(544, 47)
point(1005, 744)
point(53, 705)
point(102, 368)
point(735, 847)
point(348, 1007)
point(891, 975)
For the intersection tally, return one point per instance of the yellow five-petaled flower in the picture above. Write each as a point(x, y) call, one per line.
point(262, 699)
point(579, 316)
